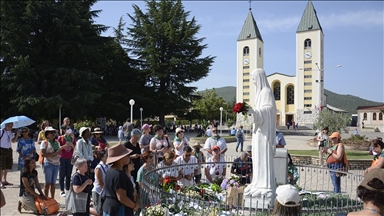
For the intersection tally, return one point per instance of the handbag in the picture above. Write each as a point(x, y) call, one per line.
point(46, 206)
point(76, 202)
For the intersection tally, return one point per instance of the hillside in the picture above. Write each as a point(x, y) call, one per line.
point(345, 102)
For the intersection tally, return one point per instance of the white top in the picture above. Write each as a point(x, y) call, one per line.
point(323, 136)
point(159, 144)
point(55, 160)
point(216, 170)
point(187, 169)
point(208, 132)
point(176, 143)
point(103, 168)
point(6, 139)
point(174, 171)
point(84, 149)
point(210, 142)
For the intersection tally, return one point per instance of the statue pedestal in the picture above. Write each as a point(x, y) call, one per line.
point(259, 202)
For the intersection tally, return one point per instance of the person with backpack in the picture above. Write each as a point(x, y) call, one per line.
point(240, 138)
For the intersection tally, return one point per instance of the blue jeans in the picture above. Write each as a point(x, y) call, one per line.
point(50, 172)
point(65, 172)
point(120, 213)
point(240, 141)
point(334, 178)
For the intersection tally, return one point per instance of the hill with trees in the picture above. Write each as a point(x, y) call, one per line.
point(344, 102)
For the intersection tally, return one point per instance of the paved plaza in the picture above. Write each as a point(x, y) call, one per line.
point(11, 193)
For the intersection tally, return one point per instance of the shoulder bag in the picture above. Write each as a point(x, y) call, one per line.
point(76, 202)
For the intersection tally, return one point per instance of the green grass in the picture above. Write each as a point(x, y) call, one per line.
point(350, 154)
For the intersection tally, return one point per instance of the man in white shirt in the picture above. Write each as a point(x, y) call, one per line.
point(189, 171)
point(214, 140)
point(7, 137)
point(322, 139)
point(208, 132)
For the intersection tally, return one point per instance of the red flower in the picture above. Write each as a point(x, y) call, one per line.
point(240, 108)
point(178, 187)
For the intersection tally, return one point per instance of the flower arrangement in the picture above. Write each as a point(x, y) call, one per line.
point(233, 181)
point(170, 183)
point(156, 210)
point(241, 107)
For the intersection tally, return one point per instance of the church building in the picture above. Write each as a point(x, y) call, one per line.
point(300, 97)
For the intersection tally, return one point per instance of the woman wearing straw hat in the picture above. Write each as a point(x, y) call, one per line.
point(84, 146)
point(98, 139)
point(119, 195)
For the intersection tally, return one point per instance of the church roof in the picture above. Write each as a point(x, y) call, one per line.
point(309, 20)
point(250, 29)
point(277, 73)
point(336, 109)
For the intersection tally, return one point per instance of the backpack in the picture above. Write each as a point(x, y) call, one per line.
point(239, 134)
point(2, 133)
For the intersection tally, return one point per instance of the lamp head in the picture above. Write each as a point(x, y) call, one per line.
point(141, 109)
point(131, 102)
point(221, 108)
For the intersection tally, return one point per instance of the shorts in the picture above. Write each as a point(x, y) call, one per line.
point(97, 202)
point(50, 172)
point(6, 156)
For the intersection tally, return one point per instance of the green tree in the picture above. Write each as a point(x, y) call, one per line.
point(209, 105)
point(164, 43)
point(335, 121)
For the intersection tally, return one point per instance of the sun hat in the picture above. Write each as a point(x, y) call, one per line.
point(117, 152)
point(82, 129)
point(135, 132)
point(249, 148)
point(215, 147)
point(197, 145)
point(374, 173)
point(287, 193)
point(49, 128)
point(335, 134)
point(145, 127)
point(178, 130)
point(97, 131)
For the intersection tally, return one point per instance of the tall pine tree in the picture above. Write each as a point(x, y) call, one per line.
point(164, 43)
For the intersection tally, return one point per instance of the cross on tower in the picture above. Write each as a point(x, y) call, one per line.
point(250, 4)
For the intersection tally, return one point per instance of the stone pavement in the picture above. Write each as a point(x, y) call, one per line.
point(11, 192)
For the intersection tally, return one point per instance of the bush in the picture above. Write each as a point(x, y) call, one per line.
point(357, 142)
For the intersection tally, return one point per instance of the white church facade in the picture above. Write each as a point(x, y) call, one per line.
point(298, 97)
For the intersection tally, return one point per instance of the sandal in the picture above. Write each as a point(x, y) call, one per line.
point(19, 207)
point(7, 183)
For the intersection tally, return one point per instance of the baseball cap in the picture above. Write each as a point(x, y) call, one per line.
point(286, 194)
point(145, 126)
point(215, 147)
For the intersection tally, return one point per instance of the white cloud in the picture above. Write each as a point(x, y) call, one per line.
point(362, 18)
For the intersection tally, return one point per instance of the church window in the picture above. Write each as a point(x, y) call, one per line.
point(290, 95)
point(307, 69)
point(374, 116)
point(245, 93)
point(307, 76)
point(307, 83)
point(307, 112)
point(246, 51)
point(307, 98)
point(245, 67)
point(276, 90)
point(307, 90)
point(245, 74)
point(245, 80)
point(307, 43)
point(365, 116)
point(380, 116)
point(307, 105)
point(259, 51)
point(308, 62)
point(246, 100)
point(245, 87)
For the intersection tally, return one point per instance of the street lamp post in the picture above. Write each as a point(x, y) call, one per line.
point(141, 117)
point(221, 120)
point(131, 102)
point(320, 80)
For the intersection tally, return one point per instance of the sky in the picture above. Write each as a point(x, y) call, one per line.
point(353, 38)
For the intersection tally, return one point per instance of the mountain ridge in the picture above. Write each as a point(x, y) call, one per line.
point(345, 102)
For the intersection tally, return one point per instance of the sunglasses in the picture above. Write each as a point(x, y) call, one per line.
point(187, 155)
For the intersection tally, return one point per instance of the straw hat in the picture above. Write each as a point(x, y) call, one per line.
point(97, 131)
point(49, 129)
point(375, 173)
point(117, 152)
point(82, 129)
point(197, 145)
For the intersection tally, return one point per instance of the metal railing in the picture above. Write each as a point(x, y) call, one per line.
point(314, 185)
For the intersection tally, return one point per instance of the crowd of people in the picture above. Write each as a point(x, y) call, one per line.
point(112, 176)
